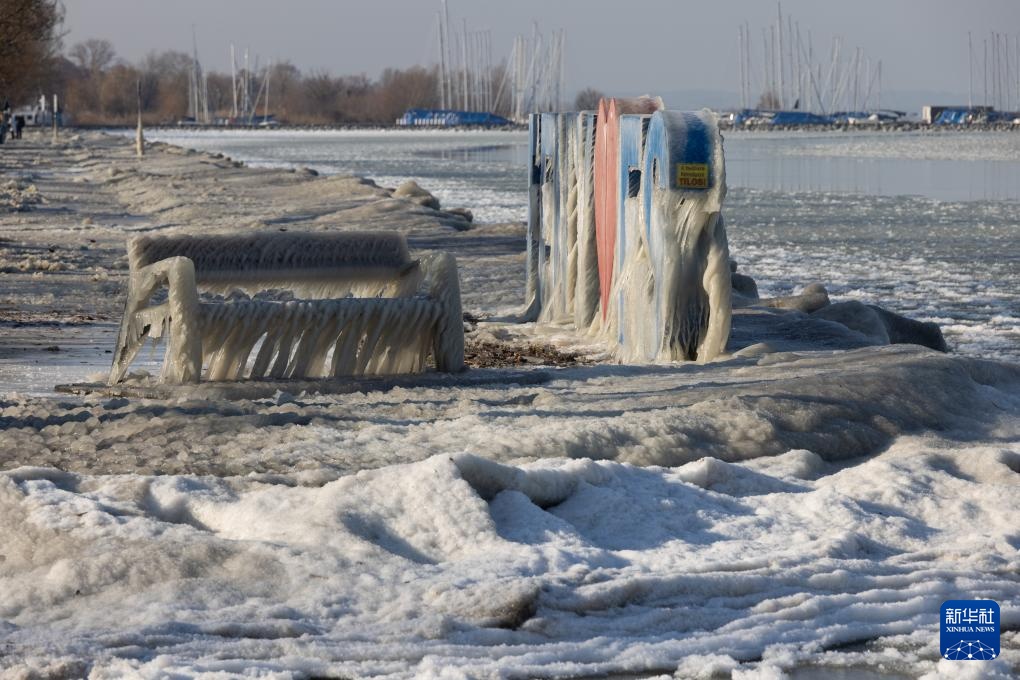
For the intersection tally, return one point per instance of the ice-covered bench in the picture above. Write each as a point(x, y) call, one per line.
point(290, 305)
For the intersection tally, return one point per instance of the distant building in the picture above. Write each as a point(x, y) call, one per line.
point(450, 118)
point(957, 115)
point(798, 118)
point(37, 114)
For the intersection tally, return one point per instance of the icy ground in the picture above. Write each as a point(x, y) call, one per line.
point(797, 513)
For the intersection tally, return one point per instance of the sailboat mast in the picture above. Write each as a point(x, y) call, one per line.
point(233, 81)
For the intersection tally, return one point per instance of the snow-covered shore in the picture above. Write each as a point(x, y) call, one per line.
point(801, 510)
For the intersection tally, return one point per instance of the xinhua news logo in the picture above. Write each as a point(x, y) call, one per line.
point(969, 630)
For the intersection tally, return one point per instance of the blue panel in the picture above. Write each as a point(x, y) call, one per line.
point(631, 158)
point(805, 118)
point(674, 138)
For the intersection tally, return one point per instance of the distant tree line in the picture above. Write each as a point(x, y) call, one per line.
point(100, 88)
point(96, 87)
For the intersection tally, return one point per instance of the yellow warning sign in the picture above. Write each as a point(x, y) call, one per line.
point(692, 175)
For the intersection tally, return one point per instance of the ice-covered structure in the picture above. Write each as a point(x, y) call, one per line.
point(683, 187)
point(290, 305)
point(625, 232)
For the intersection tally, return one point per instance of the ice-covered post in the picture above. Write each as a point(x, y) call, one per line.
point(533, 293)
point(139, 136)
point(184, 353)
point(54, 119)
point(443, 285)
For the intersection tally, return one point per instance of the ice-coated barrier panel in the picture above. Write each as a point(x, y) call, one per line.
point(586, 289)
point(533, 296)
point(560, 223)
point(365, 307)
point(684, 183)
point(550, 207)
point(630, 310)
point(607, 164)
point(561, 231)
point(543, 208)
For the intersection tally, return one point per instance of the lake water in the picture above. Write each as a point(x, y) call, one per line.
point(925, 224)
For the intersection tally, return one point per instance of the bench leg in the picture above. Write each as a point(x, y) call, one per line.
point(443, 285)
point(183, 361)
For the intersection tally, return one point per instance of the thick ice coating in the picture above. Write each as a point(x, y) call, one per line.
point(586, 285)
point(358, 304)
point(661, 277)
point(684, 183)
point(562, 267)
point(627, 313)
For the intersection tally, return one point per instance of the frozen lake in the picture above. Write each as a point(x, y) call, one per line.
point(486, 170)
point(926, 224)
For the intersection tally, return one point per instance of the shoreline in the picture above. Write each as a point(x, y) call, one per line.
point(762, 128)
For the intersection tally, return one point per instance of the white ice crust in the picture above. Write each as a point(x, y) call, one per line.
point(460, 567)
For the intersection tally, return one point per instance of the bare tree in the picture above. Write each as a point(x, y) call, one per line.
point(286, 85)
point(399, 90)
point(93, 55)
point(587, 99)
point(29, 40)
point(321, 91)
point(169, 72)
point(118, 93)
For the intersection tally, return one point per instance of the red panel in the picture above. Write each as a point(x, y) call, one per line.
point(607, 160)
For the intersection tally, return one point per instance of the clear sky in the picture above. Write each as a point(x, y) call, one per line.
point(620, 47)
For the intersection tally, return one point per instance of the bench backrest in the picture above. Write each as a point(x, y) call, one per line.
point(280, 256)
